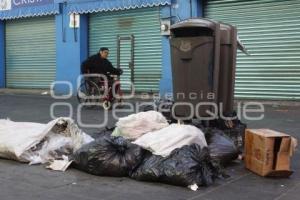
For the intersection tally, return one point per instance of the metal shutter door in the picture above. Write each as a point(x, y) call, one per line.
point(144, 24)
point(271, 32)
point(30, 52)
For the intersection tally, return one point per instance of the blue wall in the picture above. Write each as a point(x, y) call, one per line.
point(199, 7)
point(2, 55)
point(69, 53)
point(184, 9)
point(166, 80)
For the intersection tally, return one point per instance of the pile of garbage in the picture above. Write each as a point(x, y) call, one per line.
point(143, 146)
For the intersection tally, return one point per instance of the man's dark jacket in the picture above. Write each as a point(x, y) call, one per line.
point(97, 65)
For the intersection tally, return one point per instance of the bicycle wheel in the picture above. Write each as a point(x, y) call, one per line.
point(88, 92)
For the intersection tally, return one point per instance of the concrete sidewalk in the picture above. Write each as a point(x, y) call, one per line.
point(20, 181)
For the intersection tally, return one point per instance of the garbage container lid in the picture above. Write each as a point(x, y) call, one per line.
point(195, 22)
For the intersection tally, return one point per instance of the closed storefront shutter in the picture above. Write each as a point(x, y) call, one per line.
point(30, 52)
point(271, 32)
point(143, 26)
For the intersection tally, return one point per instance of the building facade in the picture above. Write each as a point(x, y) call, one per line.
point(42, 41)
point(39, 43)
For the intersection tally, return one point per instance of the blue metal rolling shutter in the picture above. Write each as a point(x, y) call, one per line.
point(30, 52)
point(271, 31)
point(144, 24)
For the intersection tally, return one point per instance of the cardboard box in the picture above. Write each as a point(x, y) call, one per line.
point(268, 152)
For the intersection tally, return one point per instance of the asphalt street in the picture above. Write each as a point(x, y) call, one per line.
point(20, 181)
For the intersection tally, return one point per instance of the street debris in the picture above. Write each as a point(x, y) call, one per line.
point(145, 147)
point(193, 187)
point(108, 156)
point(60, 165)
point(185, 166)
point(268, 152)
point(221, 147)
point(164, 141)
point(36, 143)
point(135, 125)
point(233, 128)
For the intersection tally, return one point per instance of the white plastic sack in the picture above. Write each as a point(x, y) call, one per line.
point(164, 141)
point(36, 143)
point(135, 125)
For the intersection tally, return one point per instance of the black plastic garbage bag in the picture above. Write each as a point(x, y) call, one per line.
point(221, 147)
point(108, 156)
point(105, 132)
point(232, 127)
point(183, 167)
point(237, 134)
point(227, 121)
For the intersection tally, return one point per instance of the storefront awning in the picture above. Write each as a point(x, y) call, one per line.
point(79, 7)
point(48, 9)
